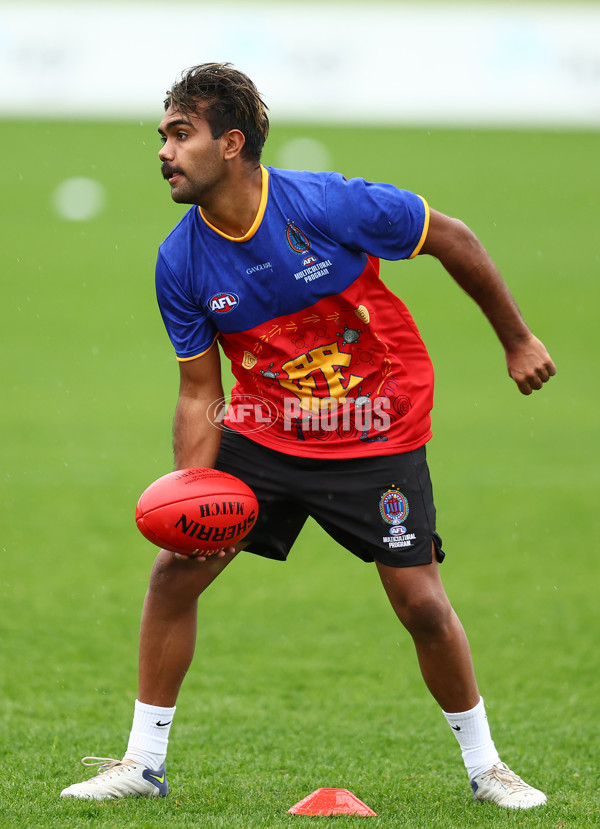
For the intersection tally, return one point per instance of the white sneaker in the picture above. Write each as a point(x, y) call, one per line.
point(119, 778)
point(502, 786)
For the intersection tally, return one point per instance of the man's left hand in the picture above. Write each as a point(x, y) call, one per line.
point(530, 365)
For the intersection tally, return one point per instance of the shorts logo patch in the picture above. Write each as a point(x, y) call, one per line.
point(393, 507)
point(222, 303)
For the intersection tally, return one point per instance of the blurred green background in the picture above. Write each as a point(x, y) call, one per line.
point(303, 677)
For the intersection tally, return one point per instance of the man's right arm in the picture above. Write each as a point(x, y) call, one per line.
point(196, 439)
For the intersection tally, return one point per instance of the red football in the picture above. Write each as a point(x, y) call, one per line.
point(196, 510)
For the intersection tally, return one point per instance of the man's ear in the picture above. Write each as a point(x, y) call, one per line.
point(233, 142)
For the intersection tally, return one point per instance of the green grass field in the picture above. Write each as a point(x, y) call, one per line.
point(302, 678)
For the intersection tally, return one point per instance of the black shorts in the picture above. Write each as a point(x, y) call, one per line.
point(378, 507)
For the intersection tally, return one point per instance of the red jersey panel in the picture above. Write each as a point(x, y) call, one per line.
point(360, 381)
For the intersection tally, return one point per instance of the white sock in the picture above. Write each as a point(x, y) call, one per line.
point(472, 731)
point(149, 735)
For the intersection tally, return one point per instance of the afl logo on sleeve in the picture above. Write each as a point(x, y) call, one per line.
point(222, 303)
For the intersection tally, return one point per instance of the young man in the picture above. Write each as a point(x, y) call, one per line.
point(282, 268)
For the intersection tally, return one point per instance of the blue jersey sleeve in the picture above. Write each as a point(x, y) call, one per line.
point(188, 327)
point(379, 219)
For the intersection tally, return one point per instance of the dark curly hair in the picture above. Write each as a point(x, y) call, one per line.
point(232, 99)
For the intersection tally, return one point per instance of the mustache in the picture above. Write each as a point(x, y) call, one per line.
point(167, 170)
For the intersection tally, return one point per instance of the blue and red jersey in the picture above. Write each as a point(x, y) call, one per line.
point(327, 360)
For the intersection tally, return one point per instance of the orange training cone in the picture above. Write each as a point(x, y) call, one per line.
point(332, 802)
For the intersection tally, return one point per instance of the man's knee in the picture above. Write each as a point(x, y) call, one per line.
point(418, 597)
point(174, 575)
point(424, 610)
point(164, 573)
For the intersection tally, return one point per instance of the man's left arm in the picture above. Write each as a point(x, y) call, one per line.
point(466, 260)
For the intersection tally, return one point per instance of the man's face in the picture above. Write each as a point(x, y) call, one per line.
point(192, 160)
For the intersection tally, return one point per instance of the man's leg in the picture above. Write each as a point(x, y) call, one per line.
point(420, 602)
point(169, 623)
point(167, 642)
